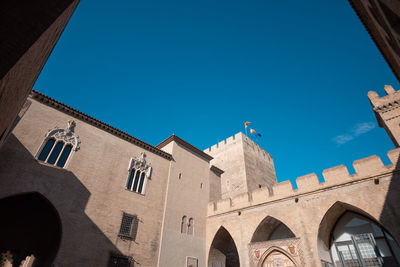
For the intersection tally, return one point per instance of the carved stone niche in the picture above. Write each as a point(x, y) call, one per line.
point(141, 165)
point(66, 135)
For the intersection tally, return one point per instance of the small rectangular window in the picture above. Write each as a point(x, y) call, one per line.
point(118, 260)
point(191, 262)
point(129, 226)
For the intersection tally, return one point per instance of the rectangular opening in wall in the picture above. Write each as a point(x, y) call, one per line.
point(118, 260)
point(191, 262)
point(129, 226)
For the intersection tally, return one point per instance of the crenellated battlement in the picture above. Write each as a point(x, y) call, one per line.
point(386, 109)
point(336, 176)
point(387, 102)
point(234, 138)
point(227, 141)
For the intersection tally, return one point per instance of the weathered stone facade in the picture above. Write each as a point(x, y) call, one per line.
point(183, 213)
point(75, 191)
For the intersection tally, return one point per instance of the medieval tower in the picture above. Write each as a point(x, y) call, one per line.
point(246, 165)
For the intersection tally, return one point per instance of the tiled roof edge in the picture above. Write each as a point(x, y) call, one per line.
point(44, 99)
point(217, 170)
point(186, 145)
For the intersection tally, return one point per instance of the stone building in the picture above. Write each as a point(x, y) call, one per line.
point(75, 191)
point(29, 30)
point(79, 192)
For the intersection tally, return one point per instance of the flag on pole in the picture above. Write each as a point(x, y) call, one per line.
point(246, 124)
point(252, 131)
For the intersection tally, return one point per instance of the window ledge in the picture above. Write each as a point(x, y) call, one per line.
point(140, 194)
point(50, 165)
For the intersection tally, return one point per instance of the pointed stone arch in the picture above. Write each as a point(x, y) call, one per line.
point(271, 228)
point(329, 221)
point(30, 224)
point(291, 262)
point(223, 250)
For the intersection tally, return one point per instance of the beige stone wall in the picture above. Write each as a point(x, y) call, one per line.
point(215, 186)
point(90, 193)
point(246, 165)
point(260, 169)
point(186, 196)
point(311, 211)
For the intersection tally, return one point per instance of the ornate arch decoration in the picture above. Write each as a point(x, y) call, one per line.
point(278, 249)
point(139, 172)
point(66, 135)
point(58, 145)
point(141, 165)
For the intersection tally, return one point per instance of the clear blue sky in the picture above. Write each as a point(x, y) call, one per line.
point(298, 70)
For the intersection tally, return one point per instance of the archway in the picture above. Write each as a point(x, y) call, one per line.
point(223, 251)
point(350, 237)
point(276, 257)
point(29, 225)
point(271, 229)
point(273, 244)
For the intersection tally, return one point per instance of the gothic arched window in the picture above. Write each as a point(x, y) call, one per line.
point(58, 145)
point(139, 172)
point(358, 241)
point(190, 226)
point(183, 225)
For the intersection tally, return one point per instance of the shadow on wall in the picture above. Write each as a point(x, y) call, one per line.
point(390, 215)
point(34, 192)
point(223, 251)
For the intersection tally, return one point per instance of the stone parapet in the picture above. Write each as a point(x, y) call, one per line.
point(336, 176)
point(230, 140)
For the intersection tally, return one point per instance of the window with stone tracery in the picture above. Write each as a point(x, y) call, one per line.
point(139, 172)
point(58, 146)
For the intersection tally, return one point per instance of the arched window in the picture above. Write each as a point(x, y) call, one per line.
point(58, 145)
point(135, 181)
point(190, 226)
point(358, 241)
point(183, 225)
point(139, 172)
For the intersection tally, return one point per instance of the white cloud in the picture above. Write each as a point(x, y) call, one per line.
point(357, 130)
point(342, 139)
point(361, 128)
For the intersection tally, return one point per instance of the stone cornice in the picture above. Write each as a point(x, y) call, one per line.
point(216, 170)
point(185, 144)
point(42, 98)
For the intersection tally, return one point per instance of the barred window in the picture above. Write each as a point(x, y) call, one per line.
point(118, 260)
point(129, 226)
